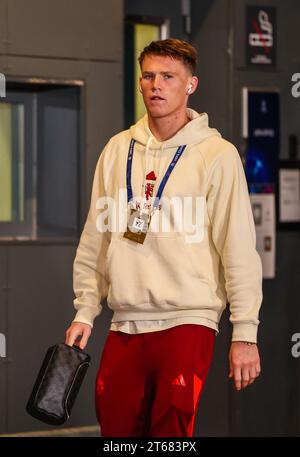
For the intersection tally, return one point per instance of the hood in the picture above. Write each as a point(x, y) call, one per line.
point(193, 132)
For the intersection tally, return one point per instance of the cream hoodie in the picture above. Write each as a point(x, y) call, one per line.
point(199, 253)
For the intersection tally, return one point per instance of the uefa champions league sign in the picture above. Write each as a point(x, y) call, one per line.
point(261, 36)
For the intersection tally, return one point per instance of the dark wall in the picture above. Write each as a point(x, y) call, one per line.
point(210, 35)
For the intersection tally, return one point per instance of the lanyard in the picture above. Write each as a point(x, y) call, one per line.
point(164, 180)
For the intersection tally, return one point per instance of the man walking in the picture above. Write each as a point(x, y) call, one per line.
point(168, 258)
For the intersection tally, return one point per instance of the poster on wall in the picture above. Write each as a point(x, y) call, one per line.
point(260, 124)
point(263, 208)
point(261, 36)
point(289, 194)
point(261, 131)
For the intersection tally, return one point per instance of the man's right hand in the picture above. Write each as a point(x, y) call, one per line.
point(76, 331)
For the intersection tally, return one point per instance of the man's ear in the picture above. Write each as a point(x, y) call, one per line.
point(194, 81)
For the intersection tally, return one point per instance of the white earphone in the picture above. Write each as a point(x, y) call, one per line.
point(140, 89)
point(190, 89)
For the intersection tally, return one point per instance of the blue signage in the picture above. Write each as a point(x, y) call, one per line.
point(262, 155)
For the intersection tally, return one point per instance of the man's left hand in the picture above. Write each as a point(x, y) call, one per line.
point(244, 364)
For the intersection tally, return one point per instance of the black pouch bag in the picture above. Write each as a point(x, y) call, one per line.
point(58, 383)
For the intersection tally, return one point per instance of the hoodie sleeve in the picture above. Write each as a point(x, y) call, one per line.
point(233, 233)
point(89, 282)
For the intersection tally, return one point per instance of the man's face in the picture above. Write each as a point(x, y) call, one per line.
point(164, 84)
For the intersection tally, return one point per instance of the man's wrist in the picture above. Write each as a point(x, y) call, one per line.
point(249, 343)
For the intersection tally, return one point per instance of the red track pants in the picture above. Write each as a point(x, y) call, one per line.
point(149, 384)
